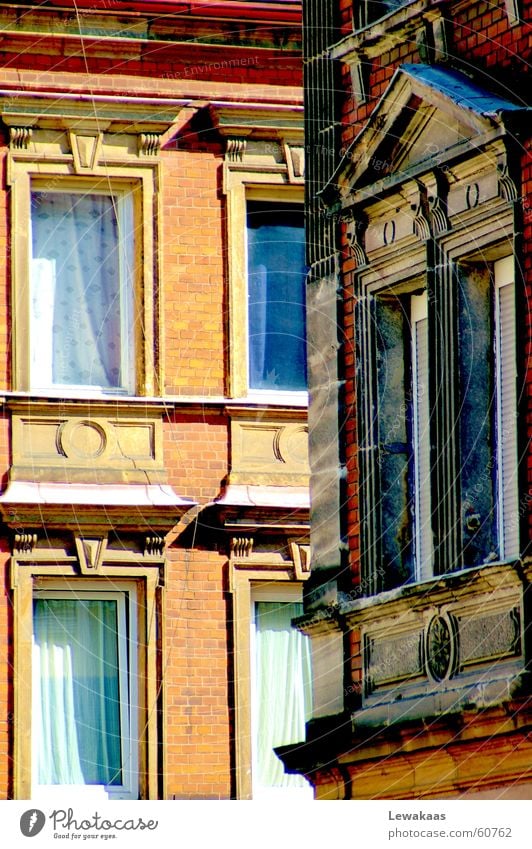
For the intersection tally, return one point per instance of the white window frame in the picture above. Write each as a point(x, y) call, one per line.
point(123, 199)
point(506, 407)
point(125, 594)
point(292, 397)
point(423, 547)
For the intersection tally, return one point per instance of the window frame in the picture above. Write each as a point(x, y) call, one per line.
point(125, 594)
point(41, 569)
point(271, 572)
point(26, 174)
point(300, 395)
point(242, 186)
point(278, 592)
point(369, 286)
point(119, 192)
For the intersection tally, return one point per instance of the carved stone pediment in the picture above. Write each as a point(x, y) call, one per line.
point(427, 117)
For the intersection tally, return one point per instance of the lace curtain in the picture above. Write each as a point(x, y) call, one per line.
point(81, 290)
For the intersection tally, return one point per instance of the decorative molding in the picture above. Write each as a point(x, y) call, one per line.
point(435, 186)
point(440, 647)
point(507, 188)
point(149, 144)
point(54, 446)
point(235, 120)
point(269, 451)
point(235, 149)
point(301, 559)
point(19, 137)
point(153, 546)
point(295, 162)
point(389, 232)
point(391, 658)
point(355, 235)
point(90, 551)
point(86, 150)
point(241, 546)
point(421, 223)
point(427, 199)
point(488, 636)
point(472, 195)
point(24, 543)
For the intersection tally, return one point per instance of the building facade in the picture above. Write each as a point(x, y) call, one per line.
point(154, 495)
point(419, 247)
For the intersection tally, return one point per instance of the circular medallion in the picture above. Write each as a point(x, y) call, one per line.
point(83, 439)
point(293, 445)
point(439, 648)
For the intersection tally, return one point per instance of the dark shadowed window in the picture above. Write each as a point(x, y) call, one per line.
point(276, 297)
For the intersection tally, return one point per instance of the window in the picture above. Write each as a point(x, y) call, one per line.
point(82, 280)
point(84, 270)
point(276, 297)
point(281, 687)
point(83, 689)
point(403, 476)
point(365, 12)
point(263, 184)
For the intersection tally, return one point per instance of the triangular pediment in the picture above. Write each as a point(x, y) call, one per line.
point(426, 116)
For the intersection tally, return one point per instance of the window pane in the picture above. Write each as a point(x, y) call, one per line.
point(284, 698)
point(477, 414)
point(76, 692)
point(395, 443)
point(81, 290)
point(276, 297)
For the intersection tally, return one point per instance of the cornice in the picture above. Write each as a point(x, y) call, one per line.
point(282, 11)
point(384, 34)
point(227, 24)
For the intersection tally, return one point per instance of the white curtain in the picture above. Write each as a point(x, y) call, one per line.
point(76, 692)
point(284, 696)
point(81, 292)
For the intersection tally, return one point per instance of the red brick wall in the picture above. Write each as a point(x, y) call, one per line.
point(197, 677)
point(193, 275)
point(193, 293)
point(196, 453)
point(483, 37)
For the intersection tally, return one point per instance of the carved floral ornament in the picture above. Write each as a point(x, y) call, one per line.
point(440, 648)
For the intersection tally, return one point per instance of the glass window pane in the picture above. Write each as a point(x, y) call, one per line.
point(81, 290)
point(76, 692)
point(284, 695)
point(276, 297)
point(477, 414)
point(395, 442)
